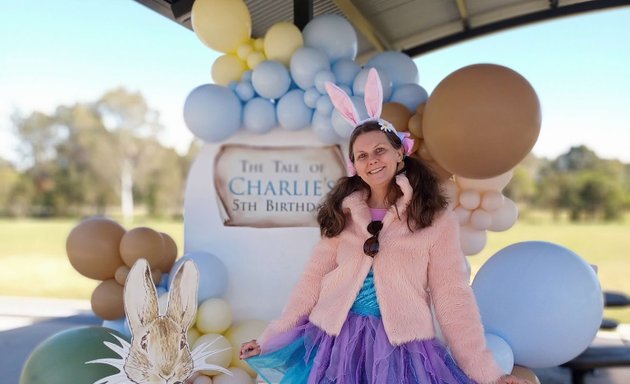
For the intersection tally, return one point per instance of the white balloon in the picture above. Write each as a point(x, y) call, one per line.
point(469, 199)
point(239, 376)
point(504, 217)
point(462, 214)
point(496, 183)
point(472, 240)
point(480, 219)
point(491, 200)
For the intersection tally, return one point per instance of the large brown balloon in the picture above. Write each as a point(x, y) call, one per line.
point(525, 373)
point(107, 300)
point(397, 114)
point(92, 248)
point(170, 254)
point(481, 120)
point(141, 243)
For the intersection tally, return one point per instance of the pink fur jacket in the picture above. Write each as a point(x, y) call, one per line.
point(411, 269)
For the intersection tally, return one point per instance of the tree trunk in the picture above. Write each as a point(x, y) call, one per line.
point(126, 190)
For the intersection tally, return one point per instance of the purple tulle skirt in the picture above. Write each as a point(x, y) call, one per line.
point(360, 354)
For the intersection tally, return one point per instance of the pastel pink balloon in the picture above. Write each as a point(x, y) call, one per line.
point(496, 183)
point(469, 199)
point(463, 214)
point(472, 240)
point(491, 200)
point(480, 219)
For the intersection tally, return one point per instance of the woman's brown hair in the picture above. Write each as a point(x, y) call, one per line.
point(427, 199)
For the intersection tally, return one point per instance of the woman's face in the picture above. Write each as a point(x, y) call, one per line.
point(375, 159)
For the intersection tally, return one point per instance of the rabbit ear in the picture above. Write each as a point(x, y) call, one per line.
point(373, 94)
point(342, 103)
point(182, 298)
point(141, 303)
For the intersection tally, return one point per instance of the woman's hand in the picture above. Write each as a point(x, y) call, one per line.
point(509, 379)
point(249, 349)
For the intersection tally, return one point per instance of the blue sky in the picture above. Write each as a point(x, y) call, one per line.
point(63, 51)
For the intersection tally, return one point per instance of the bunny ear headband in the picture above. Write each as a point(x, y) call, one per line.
point(374, 104)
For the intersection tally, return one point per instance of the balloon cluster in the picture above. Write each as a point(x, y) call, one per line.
point(215, 325)
point(101, 249)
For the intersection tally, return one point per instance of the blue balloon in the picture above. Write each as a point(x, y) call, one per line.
point(310, 97)
point(399, 67)
point(119, 325)
point(323, 128)
point(501, 351)
point(345, 70)
point(410, 95)
point(324, 105)
point(292, 113)
point(163, 281)
point(244, 90)
point(358, 88)
point(321, 78)
point(346, 89)
point(305, 63)
point(213, 275)
point(271, 79)
point(342, 127)
point(212, 112)
point(259, 115)
point(247, 76)
point(332, 34)
point(542, 299)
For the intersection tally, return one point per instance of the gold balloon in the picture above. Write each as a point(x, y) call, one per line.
point(107, 300)
point(415, 125)
point(92, 248)
point(170, 254)
point(281, 41)
point(142, 243)
point(525, 373)
point(481, 120)
point(222, 25)
point(397, 114)
point(227, 68)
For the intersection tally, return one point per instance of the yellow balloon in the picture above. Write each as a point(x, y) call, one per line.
point(255, 58)
point(259, 44)
point(227, 68)
point(244, 50)
point(193, 334)
point(240, 333)
point(214, 316)
point(281, 41)
point(222, 25)
point(219, 343)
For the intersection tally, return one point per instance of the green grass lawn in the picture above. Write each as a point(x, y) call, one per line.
point(34, 262)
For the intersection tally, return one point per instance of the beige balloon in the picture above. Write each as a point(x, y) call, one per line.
point(107, 300)
point(165, 263)
point(525, 373)
point(397, 114)
point(481, 121)
point(92, 248)
point(141, 243)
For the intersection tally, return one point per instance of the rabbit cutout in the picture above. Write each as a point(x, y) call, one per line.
point(373, 99)
point(159, 351)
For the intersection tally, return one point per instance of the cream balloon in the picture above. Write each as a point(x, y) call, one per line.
point(214, 316)
point(240, 333)
point(462, 214)
point(239, 376)
point(193, 334)
point(491, 200)
point(244, 50)
point(469, 199)
point(472, 240)
point(480, 219)
point(496, 183)
point(223, 349)
point(202, 379)
point(504, 217)
point(281, 41)
point(222, 25)
point(255, 58)
point(227, 68)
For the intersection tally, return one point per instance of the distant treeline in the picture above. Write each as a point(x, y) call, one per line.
point(104, 158)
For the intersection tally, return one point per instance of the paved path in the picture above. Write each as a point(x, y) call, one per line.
point(26, 322)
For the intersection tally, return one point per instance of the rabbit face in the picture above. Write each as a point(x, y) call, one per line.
point(159, 352)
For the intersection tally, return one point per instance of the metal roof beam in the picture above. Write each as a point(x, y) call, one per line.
point(362, 24)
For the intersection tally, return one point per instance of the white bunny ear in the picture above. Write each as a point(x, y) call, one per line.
point(141, 303)
point(373, 94)
point(342, 103)
point(182, 298)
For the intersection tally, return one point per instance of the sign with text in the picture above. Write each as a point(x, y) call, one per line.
point(274, 186)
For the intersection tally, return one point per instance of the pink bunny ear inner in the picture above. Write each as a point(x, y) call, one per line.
point(342, 103)
point(373, 94)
